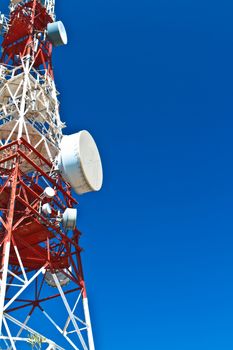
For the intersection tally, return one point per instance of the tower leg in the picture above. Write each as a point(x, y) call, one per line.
point(71, 315)
point(88, 322)
point(5, 262)
point(7, 244)
point(86, 307)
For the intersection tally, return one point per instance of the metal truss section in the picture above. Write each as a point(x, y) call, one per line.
point(19, 330)
point(34, 249)
point(43, 298)
point(48, 4)
point(29, 108)
point(4, 23)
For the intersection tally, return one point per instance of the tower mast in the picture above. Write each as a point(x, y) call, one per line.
point(43, 297)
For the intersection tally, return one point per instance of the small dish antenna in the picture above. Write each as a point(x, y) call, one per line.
point(69, 218)
point(57, 33)
point(49, 192)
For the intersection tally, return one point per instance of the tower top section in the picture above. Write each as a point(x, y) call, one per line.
point(31, 31)
point(48, 4)
point(29, 107)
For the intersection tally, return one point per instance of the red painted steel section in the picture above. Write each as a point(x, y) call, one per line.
point(31, 230)
point(27, 20)
point(38, 240)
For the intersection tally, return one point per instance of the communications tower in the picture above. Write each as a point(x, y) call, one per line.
point(43, 298)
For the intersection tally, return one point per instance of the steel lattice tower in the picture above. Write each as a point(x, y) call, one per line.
point(41, 271)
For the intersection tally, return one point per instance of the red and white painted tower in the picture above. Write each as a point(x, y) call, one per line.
point(41, 275)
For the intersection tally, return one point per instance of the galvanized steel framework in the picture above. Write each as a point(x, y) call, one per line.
point(32, 243)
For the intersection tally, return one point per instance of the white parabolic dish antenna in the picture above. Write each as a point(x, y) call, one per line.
point(79, 162)
point(57, 33)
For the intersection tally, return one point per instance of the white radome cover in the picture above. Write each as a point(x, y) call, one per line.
point(79, 162)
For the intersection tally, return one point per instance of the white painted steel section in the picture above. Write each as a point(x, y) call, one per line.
point(23, 99)
point(31, 331)
point(9, 334)
point(17, 277)
point(3, 281)
point(88, 322)
point(73, 310)
point(21, 330)
point(29, 108)
point(20, 262)
point(27, 283)
point(70, 312)
point(60, 330)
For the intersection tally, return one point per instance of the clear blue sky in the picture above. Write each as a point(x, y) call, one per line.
point(153, 82)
